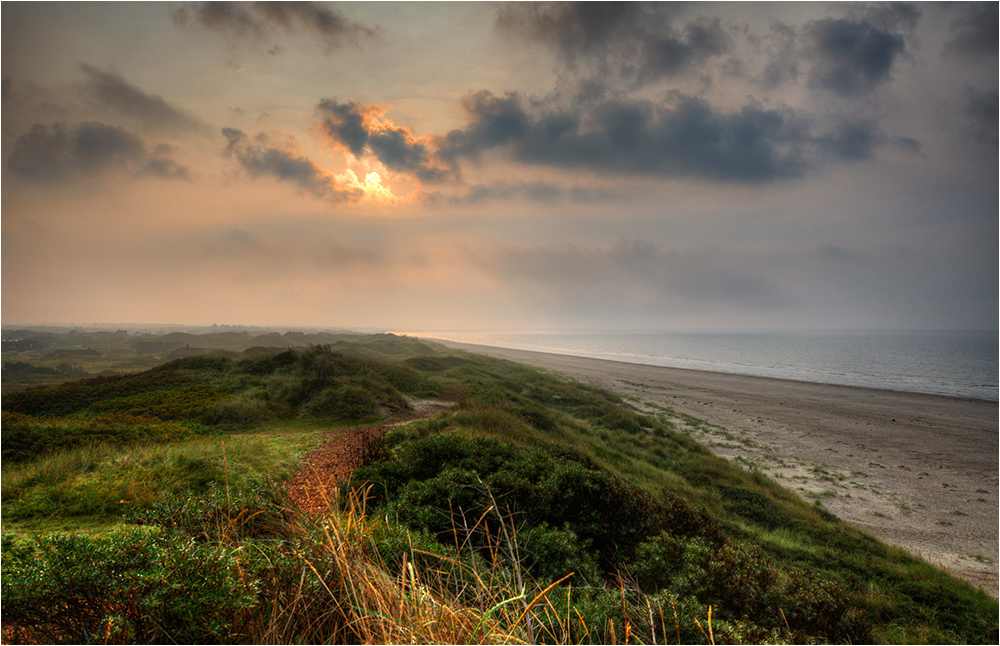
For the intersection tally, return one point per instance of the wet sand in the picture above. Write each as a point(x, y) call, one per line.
point(916, 471)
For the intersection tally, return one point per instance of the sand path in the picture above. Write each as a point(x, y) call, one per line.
point(313, 487)
point(917, 471)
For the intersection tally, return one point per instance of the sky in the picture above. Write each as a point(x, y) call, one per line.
point(436, 167)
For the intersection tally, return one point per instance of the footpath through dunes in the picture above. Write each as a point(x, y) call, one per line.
point(916, 471)
point(312, 487)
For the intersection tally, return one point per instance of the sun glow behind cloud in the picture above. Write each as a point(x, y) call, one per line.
point(373, 192)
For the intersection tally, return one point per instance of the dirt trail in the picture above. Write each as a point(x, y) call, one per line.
point(311, 488)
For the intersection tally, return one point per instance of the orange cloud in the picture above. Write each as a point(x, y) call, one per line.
point(365, 132)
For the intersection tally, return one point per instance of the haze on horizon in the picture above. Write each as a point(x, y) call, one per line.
point(530, 166)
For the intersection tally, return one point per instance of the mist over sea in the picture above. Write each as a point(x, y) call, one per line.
point(957, 363)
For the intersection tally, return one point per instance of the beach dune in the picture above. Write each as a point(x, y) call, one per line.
point(916, 471)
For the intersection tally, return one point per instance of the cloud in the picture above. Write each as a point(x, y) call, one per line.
point(262, 22)
point(635, 277)
point(259, 159)
point(783, 64)
point(682, 136)
point(852, 140)
point(365, 131)
point(537, 191)
point(980, 107)
point(112, 91)
point(887, 16)
point(850, 57)
point(53, 153)
point(975, 33)
point(639, 42)
point(159, 164)
point(272, 255)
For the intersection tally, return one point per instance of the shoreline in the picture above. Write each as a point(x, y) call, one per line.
point(915, 470)
point(554, 357)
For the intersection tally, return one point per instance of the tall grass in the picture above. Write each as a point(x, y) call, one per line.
point(343, 577)
point(364, 599)
point(106, 479)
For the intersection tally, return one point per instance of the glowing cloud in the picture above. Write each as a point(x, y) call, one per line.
point(372, 190)
point(364, 131)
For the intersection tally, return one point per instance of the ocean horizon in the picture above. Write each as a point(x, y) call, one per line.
point(957, 363)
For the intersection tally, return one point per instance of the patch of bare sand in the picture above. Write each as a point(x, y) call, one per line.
point(916, 471)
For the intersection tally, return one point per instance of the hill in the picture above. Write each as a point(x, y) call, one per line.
point(533, 509)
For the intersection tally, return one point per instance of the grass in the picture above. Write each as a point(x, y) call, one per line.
point(462, 528)
point(342, 578)
point(91, 486)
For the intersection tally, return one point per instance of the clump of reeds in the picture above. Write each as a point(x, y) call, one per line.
point(367, 600)
point(462, 596)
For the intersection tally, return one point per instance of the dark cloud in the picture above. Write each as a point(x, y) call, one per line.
point(112, 91)
point(637, 41)
point(495, 121)
point(976, 32)
point(683, 136)
point(52, 153)
point(362, 130)
point(852, 140)
point(850, 57)
point(259, 159)
point(261, 22)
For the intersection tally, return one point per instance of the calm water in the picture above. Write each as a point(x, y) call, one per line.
point(956, 363)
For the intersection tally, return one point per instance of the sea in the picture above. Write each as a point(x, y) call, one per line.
point(957, 363)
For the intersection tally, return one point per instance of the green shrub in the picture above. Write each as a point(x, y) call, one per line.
point(74, 396)
point(190, 402)
point(551, 553)
point(218, 513)
point(240, 410)
point(27, 438)
point(432, 478)
point(132, 587)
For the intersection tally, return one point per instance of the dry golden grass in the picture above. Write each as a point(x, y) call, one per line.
point(369, 604)
point(459, 601)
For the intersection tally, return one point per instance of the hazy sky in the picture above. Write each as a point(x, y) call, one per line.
point(452, 166)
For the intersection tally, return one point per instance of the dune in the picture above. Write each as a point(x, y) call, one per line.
point(913, 470)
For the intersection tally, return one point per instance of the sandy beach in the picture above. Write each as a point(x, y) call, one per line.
point(916, 471)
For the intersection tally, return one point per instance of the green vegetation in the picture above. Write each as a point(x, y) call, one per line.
point(534, 509)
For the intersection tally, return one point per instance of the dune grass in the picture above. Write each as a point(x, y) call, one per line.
point(535, 509)
point(95, 484)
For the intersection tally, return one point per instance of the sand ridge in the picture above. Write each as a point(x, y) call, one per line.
point(916, 471)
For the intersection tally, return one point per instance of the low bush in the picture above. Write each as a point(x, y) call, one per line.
point(218, 513)
point(26, 437)
point(74, 396)
point(132, 587)
point(314, 382)
point(430, 479)
point(189, 402)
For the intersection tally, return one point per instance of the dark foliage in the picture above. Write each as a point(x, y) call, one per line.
point(127, 588)
point(75, 396)
point(27, 438)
